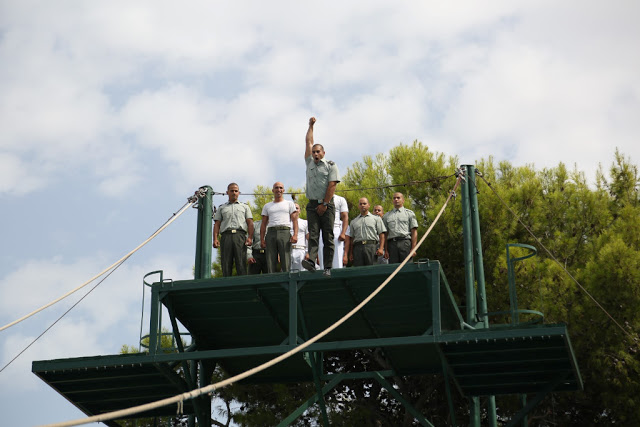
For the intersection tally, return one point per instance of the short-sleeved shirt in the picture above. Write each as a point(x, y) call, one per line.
point(233, 216)
point(279, 213)
point(400, 222)
point(341, 206)
point(367, 227)
point(319, 176)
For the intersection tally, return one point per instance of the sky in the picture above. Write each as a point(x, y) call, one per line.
point(113, 113)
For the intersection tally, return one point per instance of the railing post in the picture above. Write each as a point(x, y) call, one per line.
point(204, 236)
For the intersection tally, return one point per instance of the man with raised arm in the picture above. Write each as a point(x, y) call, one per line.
point(235, 221)
point(402, 235)
point(277, 218)
point(322, 178)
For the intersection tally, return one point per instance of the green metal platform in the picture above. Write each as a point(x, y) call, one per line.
point(241, 322)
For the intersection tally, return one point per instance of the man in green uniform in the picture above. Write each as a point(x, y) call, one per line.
point(402, 226)
point(366, 236)
point(322, 178)
point(234, 221)
point(379, 210)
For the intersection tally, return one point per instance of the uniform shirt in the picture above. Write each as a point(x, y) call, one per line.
point(400, 222)
point(255, 245)
point(367, 227)
point(341, 206)
point(318, 177)
point(302, 234)
point(279, 213)
point(233, 216)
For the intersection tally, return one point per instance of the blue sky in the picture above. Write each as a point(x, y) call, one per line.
point(113, 113)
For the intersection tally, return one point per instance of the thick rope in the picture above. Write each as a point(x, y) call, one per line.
point(60, 318)
point(556, 261)
point(208, 389)
point(173, 218)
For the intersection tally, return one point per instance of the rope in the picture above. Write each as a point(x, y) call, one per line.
point(165, 225)
point(63, 314)
point(554, 258)
point(413, 182)
point(208, 389)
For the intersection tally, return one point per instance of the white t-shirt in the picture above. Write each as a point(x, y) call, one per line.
point(279, 213)
point(302, 232)
point(341, 206)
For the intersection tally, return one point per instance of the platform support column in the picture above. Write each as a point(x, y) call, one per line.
point(204, 236)
point(467, 240)
point(478, 266)
point(316, 366)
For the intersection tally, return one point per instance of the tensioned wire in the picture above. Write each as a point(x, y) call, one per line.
point(346, 190)
point(208, 389)
point(63, 314)
point(165, 225)
point(554, 258)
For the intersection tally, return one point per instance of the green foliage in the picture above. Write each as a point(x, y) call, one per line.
point(593, 232)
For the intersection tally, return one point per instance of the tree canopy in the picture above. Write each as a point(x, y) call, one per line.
point(593, 231)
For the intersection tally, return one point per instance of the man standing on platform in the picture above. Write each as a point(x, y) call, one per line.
point(340, 226)
point(379, 210)
point(366, 236)
point(256, 256)
point(277, 217)
point(322, 178)
point(235, 221)
point(402, 226)
point(299, 249)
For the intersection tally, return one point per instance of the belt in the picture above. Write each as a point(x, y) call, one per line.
point(366, 242)
point(258, 251)
point(280, 227)
point(298, 247)
point(234, 230)
point(395, 239)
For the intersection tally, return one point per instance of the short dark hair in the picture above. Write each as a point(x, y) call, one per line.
point(233, 183)
point(318, 145)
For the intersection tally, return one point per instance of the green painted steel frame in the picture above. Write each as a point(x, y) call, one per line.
point(448, 334)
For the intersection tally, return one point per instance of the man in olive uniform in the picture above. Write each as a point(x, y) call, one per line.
point(322, 178)
point(256, 256)
point(234, 221)
point(402, 235)
point(366, 236)
point(379, 210)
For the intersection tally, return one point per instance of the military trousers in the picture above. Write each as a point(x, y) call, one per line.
point(317, 224)
point(260, 266)
point(398, 250)
point(278, 245)
point(233, 250)
point(364, 254)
